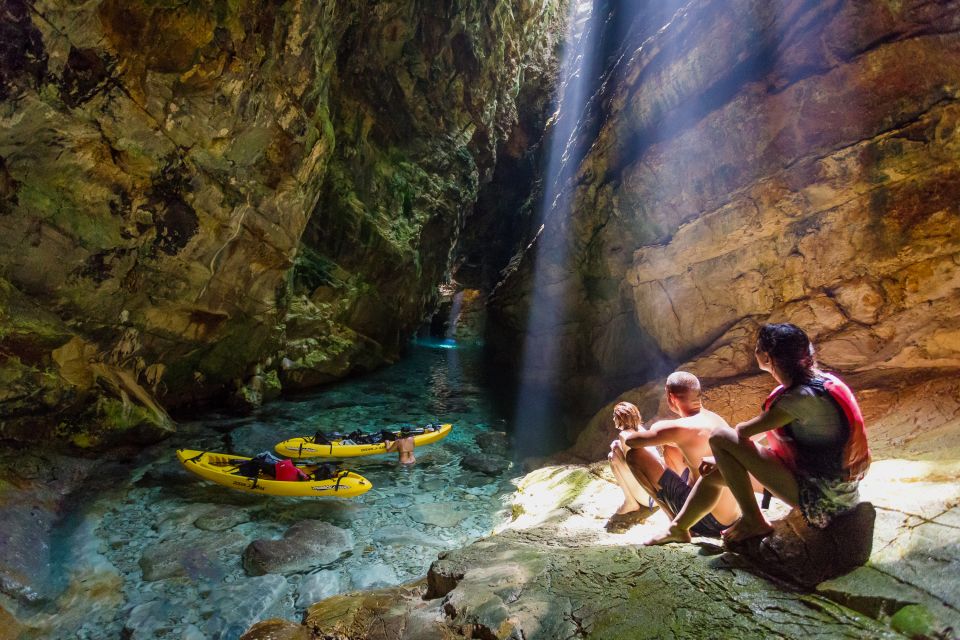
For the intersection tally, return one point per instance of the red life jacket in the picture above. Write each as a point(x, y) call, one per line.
point(286, 472)
point(856, 451)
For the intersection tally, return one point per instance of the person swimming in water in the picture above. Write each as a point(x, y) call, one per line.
point(404, 446)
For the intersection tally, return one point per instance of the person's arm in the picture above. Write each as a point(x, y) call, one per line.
point(766, 421)
point(663, 432)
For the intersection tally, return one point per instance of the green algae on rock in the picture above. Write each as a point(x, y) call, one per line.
point(179, 182)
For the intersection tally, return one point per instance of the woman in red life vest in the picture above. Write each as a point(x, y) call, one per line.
point(817, 450)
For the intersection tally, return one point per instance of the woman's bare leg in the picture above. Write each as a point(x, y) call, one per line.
point(738, 459)
point(625, 480)
point(647, 468)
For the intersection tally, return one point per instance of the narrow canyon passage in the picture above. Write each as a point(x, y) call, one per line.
point(226, 224)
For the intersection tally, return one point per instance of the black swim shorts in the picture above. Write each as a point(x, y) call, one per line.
point(674, 491)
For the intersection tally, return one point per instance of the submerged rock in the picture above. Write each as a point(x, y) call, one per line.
point(493, 442)
point(231, 608)
point(373, 576)
point(438, 514)
point(315, 587)
point(194, 557)
point(399, 535)
point(489, 464)
point(221, 518)
point(305, 545)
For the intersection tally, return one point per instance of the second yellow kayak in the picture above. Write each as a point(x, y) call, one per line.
point(307, 447)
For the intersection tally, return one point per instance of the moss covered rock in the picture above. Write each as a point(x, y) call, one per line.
point(175, 180)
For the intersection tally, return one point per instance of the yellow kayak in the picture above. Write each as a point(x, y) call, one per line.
point(222, 468)
point(308, 447)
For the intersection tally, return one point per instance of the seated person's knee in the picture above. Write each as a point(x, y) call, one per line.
point(722, 437)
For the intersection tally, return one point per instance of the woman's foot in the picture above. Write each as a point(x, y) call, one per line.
point(627, 507)
point(620, 522)
point(673, 534)
point(744, 529)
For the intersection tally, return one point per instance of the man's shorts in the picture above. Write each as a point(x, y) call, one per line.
point(674, 491)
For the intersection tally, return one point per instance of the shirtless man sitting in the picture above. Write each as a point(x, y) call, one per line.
point(689, 434)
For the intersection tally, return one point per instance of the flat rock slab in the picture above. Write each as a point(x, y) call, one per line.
point(526, 585)
point(438, 514)
point(305, 545)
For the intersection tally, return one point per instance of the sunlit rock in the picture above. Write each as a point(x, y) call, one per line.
point(554, 572)
point(800, 168)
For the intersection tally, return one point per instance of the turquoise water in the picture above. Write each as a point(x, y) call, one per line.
point(158, 553)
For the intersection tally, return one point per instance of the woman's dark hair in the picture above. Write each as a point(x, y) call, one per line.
point(790, 349)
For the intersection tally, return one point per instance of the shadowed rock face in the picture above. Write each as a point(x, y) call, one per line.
point(200, 197)
point(752, 162)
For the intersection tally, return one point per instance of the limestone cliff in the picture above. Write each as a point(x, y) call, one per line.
point(206, 198)
point(761, 161)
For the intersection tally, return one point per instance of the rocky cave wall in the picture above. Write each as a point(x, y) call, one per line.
point(764, 161)
point(205, 198)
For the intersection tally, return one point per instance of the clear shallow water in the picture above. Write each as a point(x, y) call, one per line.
point(158, 554)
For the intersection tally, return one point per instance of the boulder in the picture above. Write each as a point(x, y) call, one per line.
point(305, 545)
point(276, 629)
point(805, 555)
point(493, 442)
point(484, 463)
